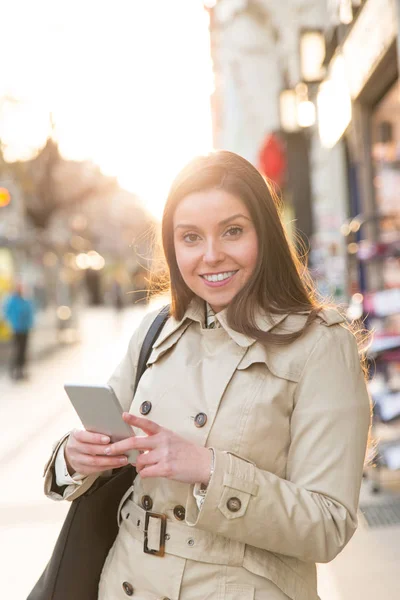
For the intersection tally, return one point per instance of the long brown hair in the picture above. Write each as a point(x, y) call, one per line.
point(280, 283)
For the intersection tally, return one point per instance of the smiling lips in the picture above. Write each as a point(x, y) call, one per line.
point(218, 279)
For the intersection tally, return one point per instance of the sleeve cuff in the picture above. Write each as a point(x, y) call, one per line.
point(230, 489)
point(211, 499)
point(61, 470)
point(199, 494)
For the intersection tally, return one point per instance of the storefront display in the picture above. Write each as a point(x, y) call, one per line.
point(381, 307)
point(371, 135)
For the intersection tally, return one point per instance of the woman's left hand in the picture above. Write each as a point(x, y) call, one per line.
point(165, 454)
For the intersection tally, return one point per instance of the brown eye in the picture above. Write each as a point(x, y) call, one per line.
point(234, 231)
point(190, 237)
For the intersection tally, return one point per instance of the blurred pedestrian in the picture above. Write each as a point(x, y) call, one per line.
point(116, 292)
point(19, 312)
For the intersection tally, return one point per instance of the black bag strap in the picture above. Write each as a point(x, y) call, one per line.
point(151, 336)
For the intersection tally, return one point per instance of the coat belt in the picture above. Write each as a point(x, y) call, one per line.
point(180, 539)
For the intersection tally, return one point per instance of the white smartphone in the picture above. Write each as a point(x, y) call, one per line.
point(100, 412)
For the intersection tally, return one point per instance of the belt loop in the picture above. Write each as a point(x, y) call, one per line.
point(236, 553)
point(124, 498)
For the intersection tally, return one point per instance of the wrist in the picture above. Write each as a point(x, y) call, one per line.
point(70, 469)
point(209, 470)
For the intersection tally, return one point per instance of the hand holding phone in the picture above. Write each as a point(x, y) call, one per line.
point(85, 454)
point(101, 414)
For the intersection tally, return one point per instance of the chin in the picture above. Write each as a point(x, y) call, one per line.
point(220, 300)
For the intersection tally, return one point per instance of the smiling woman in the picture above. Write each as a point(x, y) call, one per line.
point(251, 420)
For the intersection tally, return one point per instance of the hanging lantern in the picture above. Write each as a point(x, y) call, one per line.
point(5, 197)
point(272, 159)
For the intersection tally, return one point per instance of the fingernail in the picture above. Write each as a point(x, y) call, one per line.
point(105, 439)
point(123, 460)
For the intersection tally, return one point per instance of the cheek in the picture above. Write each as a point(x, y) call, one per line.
point(253, 255)
point(186, 261)
point(248, 255)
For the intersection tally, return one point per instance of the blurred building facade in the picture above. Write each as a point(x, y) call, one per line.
point(309, 92)
point(71, 236)
point(362, 77)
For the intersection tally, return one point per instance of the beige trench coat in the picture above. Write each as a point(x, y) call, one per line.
point(289, 426)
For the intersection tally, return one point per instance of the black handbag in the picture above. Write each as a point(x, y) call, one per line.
point(90, 527)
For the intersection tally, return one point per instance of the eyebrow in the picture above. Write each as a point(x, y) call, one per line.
point(223, 222)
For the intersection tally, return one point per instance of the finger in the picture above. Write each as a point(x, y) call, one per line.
point(86, 470)
point(89, 437)
point(152, 471)
point(100, 463)
point(145, 460)
point(145, 425)
point(143, 442)
point(93, 449)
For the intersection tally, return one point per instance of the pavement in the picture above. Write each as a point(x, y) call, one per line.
point(36, 412)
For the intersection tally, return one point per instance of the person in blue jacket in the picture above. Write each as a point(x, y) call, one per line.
point(19, 312)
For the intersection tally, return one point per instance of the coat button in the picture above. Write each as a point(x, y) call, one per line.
point(145, 407)
point(200, 420)
point(179, 513)
point(147, 503)
point(128, 588)
point(234, 504)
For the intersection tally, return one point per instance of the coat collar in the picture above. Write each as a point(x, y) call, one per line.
point(196, 313)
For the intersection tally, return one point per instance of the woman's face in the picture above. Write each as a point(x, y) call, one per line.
point(216, 245)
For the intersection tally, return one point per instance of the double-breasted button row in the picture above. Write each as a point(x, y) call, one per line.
point(200, 419)
point(128, 588)
point(179, 513)
point(234, 504)
point(145, 407)
point(147, 502)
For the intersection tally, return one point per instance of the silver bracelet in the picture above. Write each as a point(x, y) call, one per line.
point(212, 465)
point(203, 488)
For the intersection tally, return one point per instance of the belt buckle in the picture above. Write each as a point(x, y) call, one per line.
point(163, 518)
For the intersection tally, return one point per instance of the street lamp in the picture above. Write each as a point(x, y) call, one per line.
point(296, 109)
point(312, 55)
point(306, 114)
point(288, 110)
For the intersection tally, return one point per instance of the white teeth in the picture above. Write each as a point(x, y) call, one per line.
point(219, 277)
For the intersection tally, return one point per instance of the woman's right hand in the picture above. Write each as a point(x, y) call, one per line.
point(85, 453)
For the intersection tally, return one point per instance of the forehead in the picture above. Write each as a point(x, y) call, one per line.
point(208, 207)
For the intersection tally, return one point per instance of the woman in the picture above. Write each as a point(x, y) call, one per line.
point(252, 417)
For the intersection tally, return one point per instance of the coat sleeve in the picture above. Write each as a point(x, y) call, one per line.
point(122, 381)
point(312, 513)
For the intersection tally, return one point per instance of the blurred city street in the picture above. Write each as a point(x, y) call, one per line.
point(34, 414)
point(92, 135)
point(37, 412)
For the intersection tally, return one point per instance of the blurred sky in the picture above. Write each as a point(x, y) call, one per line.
point(128, 83)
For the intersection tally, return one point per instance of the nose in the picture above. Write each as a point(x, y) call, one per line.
point(213, 253)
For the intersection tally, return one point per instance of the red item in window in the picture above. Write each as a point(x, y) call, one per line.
point(272, 159)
